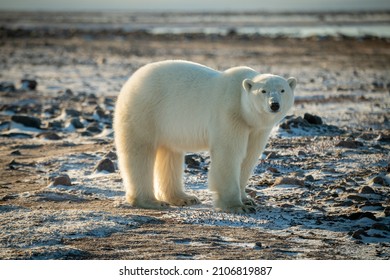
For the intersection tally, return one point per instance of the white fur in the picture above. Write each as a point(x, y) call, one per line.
point(168, 108)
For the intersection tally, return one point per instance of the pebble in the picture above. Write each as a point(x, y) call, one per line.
point(273, 170)
point(72, 113)
point(111, 155)
point(49, 135)
point(360, 215)
point(192, 161)
point(7, 87)
point(358, 234)
point(288, 181)
point(16, 153)
point(366, 190)
point(380, 226)
point(75, 121)
point(63, 180)
point(29, 84)
point(27, 121)
point(350, 144)
point(93, 128)
point(387, 211)
point(312, 119)
point(379, 180)
point(105, 165)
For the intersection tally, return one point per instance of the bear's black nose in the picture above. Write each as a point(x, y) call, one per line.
point(275, 106)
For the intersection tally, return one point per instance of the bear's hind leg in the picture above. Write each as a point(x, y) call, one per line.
point(169, 168)
point(136, 165)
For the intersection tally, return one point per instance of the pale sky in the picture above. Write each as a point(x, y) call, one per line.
point(198, 5)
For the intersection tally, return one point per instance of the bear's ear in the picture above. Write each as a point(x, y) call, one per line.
point(247, 84)
point(292, 82)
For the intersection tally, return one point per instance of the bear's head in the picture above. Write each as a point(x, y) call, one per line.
point(270, 94)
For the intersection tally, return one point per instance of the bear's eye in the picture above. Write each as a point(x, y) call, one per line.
point(263, 91)
point(282, 91)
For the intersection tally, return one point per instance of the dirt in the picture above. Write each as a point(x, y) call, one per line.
point(322, 188)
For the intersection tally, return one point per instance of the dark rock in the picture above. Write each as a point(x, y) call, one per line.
point(309, 178)
point(360, 215)
point(387, 211)
point(366, 190)
point(72, 113)
point(192, 161)
point(379, 180)
point(18, 135)
point(358, 234)
point(62, 180)
point(312, 119)
point(7, 87)
point(111, 155)
point(350, 144)
point(29, 84)
point(380, 226)
point(94, 128)
point(75, 121)
point(16, 153)
point(356, 197)
point(68, 92)
point(105, 165)
point(27, 121)
point(99, 113)
point(272, 169)
point(55, 124)
point(49, 135)
point(288, 181)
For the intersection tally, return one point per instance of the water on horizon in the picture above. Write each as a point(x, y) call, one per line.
point(353, 24)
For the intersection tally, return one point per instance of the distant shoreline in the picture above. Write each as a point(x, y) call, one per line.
point(245, 24)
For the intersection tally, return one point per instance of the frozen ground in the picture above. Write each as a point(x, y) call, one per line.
point(322, 188)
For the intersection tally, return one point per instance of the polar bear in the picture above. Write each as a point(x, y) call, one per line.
point(171, 107)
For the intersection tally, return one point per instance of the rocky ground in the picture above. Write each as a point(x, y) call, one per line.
point(322, 184)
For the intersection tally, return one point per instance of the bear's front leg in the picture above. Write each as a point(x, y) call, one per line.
point(256, 144)
point(224, 179)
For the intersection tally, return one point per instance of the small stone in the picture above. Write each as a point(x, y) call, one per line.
point(366, 190)
point(94, 128)
point(7, 87)
point(16, 153)
point(358, 234)
point(302, 154)
point(63, 180)
point(386, 211)
point(288, 181)
point(356, 197)
point(29, 84)
point(49, 136)
point(380, 226)
point(350, 144)
point(273, 170)
point(105, 165)
point(379, 180)
point(111, 155)
point(72, 113)
point(27, 121)
point(192, 161)
point(75, 121)
point(258, 245)
point(312, 119)
point(360, 215)
point(57, 124)
point(309, 178)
